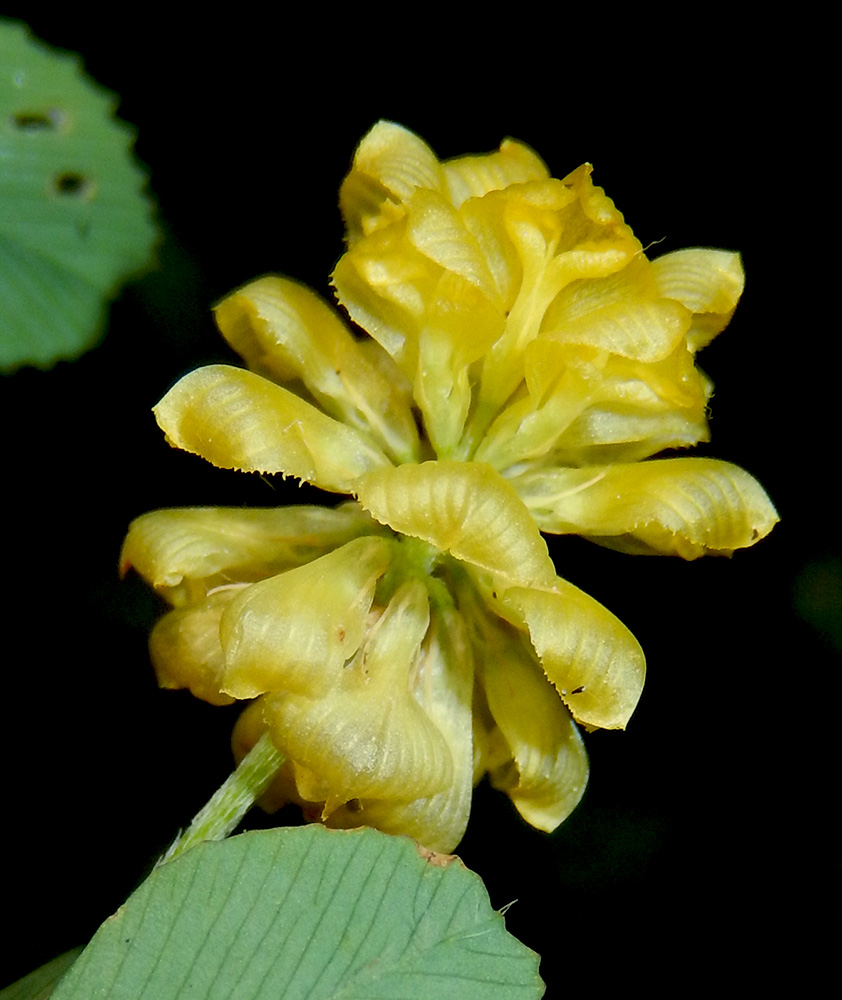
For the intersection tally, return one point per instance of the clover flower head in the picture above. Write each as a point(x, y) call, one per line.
point(522, 361)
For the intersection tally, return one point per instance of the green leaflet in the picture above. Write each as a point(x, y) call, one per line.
point(74, 221)
point(40, 984)
point(306, 914)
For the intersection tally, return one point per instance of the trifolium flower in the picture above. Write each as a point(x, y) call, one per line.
point(523, 361)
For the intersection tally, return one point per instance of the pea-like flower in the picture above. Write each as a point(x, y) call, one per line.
point(524, 362)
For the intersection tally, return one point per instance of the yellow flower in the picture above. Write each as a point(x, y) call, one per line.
point(524, 359)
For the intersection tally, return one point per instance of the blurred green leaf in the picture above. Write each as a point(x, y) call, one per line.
point(39, 985)
point(74, 221)
point(817, 596)
point(307, 913)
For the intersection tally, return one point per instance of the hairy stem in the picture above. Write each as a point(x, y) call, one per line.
point(222, 813)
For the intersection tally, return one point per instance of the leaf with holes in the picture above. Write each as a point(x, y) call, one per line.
point(74, 221)
point(307, 913)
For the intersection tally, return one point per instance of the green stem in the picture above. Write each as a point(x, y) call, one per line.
point(232, 800)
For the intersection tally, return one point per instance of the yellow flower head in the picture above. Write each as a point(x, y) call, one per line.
point(524, 358)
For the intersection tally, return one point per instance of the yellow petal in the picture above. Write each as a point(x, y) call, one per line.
point(238, 420)
point(489, 221)
point(459, 328)
point(368, 737)
point(624, 313)
point(604, 222)
point(474, 176)
point(285, 331)
point(248, 729)
point(424, 291)
point(708, 282)
point(443, 685)
point(564, 231)
point(682, 506)
point(636, 409)
point(437, 231)
point(295, 631)
point(385, 284)
point(186, 552)
point(547, 772)
point(465, 508)
point(389, 164)
point(595, 663)
point(533, 422)
point(185, 649)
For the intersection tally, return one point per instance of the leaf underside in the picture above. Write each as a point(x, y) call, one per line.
point(307, 913)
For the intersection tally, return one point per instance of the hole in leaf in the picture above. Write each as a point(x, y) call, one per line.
point(38, 121)
point(73, 185)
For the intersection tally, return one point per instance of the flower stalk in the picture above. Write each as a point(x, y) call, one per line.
point(223, 812)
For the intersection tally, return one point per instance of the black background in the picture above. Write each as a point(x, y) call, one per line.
point(704, 835)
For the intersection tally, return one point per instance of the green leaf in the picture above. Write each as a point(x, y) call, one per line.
point(307, 913)
point(74, 221)
point(39, 985)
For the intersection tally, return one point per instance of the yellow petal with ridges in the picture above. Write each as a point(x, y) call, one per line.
point(286, 332)
point(532, 424)
point(599, 210)
point(708, 282)
point(186, 552)
point(437, 231)
point(563, 231)
point(424, 291)
point(185, 649)
point(295, 631)
point(368, 737)
point(390, 163)
point(678, 506)
point(594, 661)
point(488, 220)
point(248, 729)
point(385, 285)
point(474, 176)
point(602, 435)
point(548, 770)
point(623, 313)
point(442, 390)
point(460, 326)
point(235, 419)
point(443, 686)
point(635, 409)
point(465, 508)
